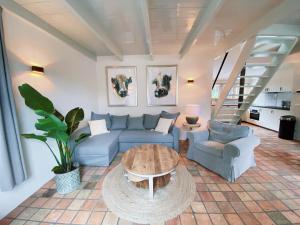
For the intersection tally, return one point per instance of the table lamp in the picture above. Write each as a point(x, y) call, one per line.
point(192, 113)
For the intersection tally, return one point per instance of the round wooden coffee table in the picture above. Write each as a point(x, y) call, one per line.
point(150, 161)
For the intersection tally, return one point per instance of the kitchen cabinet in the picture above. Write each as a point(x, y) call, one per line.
point(268, 118)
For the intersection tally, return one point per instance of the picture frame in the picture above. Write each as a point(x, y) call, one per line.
point(162, 85)
point(121, 85)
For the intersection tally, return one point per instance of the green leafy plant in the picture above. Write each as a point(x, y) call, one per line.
point(54, 125)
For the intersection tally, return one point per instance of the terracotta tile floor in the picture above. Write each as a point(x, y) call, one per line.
point(267, 194)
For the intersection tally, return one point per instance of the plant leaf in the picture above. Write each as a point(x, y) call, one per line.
point(34, 100)
point(49, 122)
point(58, 170)
point(58, 115)
point(59, 135)
point(34, 136)
point(82, 137)
point(73, 119)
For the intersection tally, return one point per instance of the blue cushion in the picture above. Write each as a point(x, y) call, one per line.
point(168, 115)
point(106, 117)
point(150, 121)
point(98, 144)
point(135, 123)
point(119, 122)
point(144, 136)
point(225, 133)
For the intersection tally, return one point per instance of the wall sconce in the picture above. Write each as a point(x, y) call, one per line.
point(37, 69)
point(190, 81)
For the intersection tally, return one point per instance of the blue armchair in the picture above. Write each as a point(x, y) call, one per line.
point(225, 149)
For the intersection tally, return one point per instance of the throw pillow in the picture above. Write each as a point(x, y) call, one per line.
point(98, 127)
point(172, 116)
point(106, 117)
point(119, 122)
point(136, 123)
point(164, 125)
point(168, 115)
point(150, 121)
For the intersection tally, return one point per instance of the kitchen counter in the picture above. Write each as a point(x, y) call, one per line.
point(271, 107)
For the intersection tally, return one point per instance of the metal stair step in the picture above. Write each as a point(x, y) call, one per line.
point(259, 54)
point(274, 39)
point(252, 76)
point(224, 120)
point(245, 86)
point(260, 65)
point(228, 114)
point(240, 95)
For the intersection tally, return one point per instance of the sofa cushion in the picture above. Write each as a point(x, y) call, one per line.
point(135, 123)
point(168, 115)
point(98, 127)
point(150, 121)
point(164, 125)
point(99, 144)
point(211, 147)
point(225, 133)
point(118, 122)
point(106, 117)
point(144, 136)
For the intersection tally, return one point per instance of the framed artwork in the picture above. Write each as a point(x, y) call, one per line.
point(121, 86)
point(162, 85)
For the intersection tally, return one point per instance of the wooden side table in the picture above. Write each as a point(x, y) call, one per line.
point(188, 128)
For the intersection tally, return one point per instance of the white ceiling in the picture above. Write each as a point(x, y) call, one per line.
point(170, 22)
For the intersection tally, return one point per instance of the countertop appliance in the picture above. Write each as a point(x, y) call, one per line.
point(286, 104)
point(254, 114)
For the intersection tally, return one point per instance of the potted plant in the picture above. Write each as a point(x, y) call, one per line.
point(53, 125)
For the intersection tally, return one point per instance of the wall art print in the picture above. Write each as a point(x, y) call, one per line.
point(162, 85)
point(121, 85)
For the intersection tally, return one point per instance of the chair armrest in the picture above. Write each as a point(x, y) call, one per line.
point(198, 136)
point(175, 134)
point(241, 146)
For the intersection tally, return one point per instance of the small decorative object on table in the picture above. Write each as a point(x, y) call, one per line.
point(192, 113)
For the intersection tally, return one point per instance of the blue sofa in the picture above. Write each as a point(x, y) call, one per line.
point(225, 149)
point(100, 150)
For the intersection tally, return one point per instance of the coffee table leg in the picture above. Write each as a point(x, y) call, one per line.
point(151, 188)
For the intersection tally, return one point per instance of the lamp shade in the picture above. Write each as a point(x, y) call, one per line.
point(192, 110)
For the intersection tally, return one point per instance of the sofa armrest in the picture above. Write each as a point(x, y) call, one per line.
point(76, 134)
point(175, 133)
point(198, 136)
point(240, 147)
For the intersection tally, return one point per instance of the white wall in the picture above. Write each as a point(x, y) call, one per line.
point(69, 81)
point(192, 66)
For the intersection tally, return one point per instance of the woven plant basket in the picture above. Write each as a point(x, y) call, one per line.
point(67, 182)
